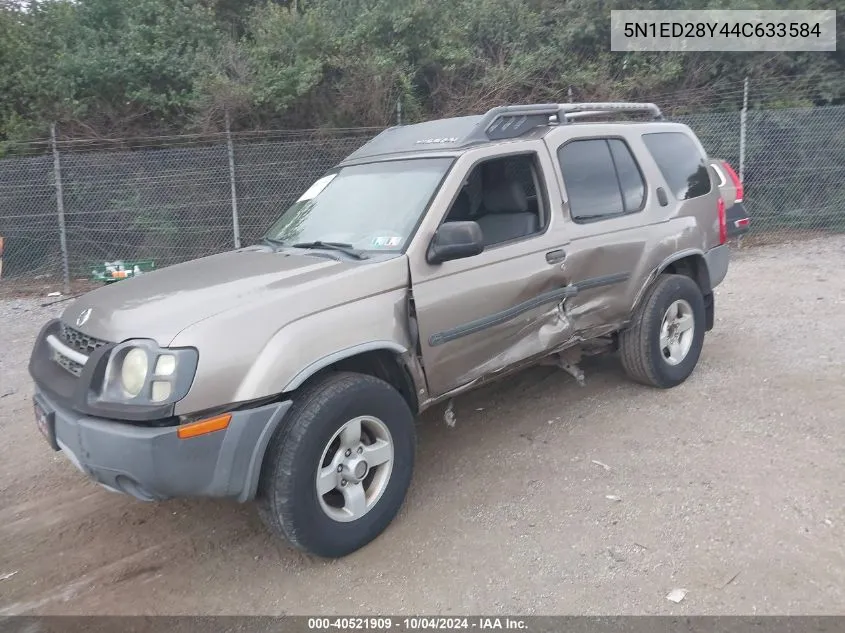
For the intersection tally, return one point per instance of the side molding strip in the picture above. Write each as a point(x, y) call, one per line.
point(606, 280)
point(497, 318)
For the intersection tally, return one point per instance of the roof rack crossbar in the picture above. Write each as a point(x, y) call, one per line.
point(514, 121)
point(571, 110)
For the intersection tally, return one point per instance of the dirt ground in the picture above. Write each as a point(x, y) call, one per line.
point(730, 486)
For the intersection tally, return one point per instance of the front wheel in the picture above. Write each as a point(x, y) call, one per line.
point(336, 472)
point(662, 346)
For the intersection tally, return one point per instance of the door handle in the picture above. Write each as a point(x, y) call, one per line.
point(555, 257)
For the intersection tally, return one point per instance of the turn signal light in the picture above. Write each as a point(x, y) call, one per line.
point(204, 427)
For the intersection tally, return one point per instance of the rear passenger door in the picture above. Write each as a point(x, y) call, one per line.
point(607, 202)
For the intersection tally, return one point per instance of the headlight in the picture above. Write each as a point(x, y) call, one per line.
point(133, 371)
point(139, 372)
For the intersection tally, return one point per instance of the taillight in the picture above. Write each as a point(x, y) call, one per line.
point(723, 222)
point(737, 183)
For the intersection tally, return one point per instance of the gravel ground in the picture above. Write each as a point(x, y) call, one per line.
point(545, 498)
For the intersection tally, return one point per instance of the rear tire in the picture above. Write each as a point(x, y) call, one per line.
point(314, 490)
point(663, 344)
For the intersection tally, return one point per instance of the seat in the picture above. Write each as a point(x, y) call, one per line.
point(506, 214)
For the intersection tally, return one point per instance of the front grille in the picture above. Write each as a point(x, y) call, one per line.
point(67, 364)
point(80, 342)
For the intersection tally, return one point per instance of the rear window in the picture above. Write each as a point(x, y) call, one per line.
point(681, 163)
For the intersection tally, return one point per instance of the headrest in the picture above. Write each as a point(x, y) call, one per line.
point(506, 197)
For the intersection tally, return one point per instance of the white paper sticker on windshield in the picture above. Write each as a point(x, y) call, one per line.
point(387, 241)
point(315, 189)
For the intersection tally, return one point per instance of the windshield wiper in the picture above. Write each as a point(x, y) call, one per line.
point(334, 246)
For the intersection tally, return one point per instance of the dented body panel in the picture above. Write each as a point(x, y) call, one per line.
point(484, 315)
point(479, 315)
point(632, 247)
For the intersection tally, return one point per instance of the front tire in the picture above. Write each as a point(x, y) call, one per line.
point(663, 344)
point(337, 471)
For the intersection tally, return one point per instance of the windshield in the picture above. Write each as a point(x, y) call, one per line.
point(373, 207)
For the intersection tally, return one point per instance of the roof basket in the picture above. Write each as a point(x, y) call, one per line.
point(514, 121)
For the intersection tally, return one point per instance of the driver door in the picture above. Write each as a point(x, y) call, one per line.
point(481, 314)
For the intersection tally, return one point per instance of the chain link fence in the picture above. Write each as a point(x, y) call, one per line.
point(166, 200)
point(174, 199)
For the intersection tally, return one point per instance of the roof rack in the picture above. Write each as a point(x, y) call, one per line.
point(513, 121)
point(573, 110)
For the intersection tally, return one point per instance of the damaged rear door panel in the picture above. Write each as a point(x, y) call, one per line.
point(623, 220)
point(607, 202)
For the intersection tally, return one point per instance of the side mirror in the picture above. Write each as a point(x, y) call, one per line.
point(455, 240)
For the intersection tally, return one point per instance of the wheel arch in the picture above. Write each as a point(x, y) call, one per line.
point(380, 359)
point(690, 263)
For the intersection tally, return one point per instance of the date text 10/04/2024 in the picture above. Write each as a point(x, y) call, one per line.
point(416, 624)
point(725, 29)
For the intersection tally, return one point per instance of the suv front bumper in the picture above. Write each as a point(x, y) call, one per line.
point(153, 463)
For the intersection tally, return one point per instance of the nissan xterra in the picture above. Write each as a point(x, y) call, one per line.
point(436, 258)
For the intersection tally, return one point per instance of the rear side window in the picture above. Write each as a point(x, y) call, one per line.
point(630, 180)
point(680, 162)
point(601, 178)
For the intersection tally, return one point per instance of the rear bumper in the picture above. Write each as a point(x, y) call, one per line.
point(153, 463)
point(717, 259)
point(738, 220)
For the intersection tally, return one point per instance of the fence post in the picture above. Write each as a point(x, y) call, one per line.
point(399, 110)
point(60, 207)
point(742, 130)
point(236, 227)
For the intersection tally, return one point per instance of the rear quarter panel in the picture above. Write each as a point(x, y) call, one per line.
point(690, 227)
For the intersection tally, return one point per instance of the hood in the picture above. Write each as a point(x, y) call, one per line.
point(159, 304)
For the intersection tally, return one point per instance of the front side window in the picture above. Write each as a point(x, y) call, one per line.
point(680, 162)
point(505, 197)
point(371, 207)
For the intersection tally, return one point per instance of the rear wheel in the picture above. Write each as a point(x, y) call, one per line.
point(663, 344)
point(336, 473)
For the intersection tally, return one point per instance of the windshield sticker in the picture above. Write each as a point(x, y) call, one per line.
point(315, 189)
point(387, 241)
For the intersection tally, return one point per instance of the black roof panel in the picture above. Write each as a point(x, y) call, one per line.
point(439, 134)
